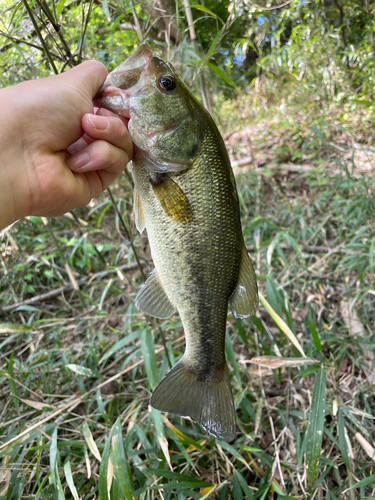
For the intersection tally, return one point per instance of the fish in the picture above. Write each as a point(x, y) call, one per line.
point(185, 195)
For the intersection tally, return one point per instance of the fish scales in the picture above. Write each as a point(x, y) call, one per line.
point(197, 263)
point(185, 195)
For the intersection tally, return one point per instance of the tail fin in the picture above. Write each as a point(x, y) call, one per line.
point(208, 400)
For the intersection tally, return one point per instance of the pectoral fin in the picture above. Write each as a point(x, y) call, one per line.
point(152, 298)
point(244, 300)
point(172, 198)
point(140, 223)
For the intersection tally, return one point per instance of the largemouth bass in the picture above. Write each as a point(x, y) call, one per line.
point(185, 195)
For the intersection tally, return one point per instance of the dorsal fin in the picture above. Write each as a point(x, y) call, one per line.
point(244, 300)
point(152, 298)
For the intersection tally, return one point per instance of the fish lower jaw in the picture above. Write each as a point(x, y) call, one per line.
point(114, 100)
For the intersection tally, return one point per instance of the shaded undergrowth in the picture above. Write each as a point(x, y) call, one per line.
point(78, 365)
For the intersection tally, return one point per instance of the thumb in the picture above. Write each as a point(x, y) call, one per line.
point(90, 74)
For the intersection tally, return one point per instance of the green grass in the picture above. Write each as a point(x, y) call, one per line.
point(78, 368)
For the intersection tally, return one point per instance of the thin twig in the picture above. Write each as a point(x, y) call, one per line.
point(84, 30)
point(127, 233)
point(42, 41)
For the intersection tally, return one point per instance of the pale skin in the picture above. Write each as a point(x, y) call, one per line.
point(56, 151)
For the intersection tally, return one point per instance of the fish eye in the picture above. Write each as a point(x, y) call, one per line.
point(167, 83)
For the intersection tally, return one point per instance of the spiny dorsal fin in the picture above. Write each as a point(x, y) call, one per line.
point(152, 298)
point(244, 300)
point(208, 400)
point(172, 198)
point(140, 223)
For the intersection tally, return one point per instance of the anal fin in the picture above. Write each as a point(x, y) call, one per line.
point(244, 300)
point(140, 223)
point(207, 399)
point(152, 298)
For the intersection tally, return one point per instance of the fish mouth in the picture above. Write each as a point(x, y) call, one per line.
point(113, 99)
point(125, 81)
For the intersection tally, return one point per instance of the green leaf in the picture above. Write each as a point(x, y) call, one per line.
point(315, 335)
point(14, 14)
point(12, 384)
point(208, 11)
point(314, 434)
point(179, 477)
point(364, 482)
point(103, 471)
point(106, 9)
point(148, 351)
point(59, 8)
point(231, 356)
point(212, 48)
point(362, 101)
point(120, 344)
point(14, 328)
point(122, 468)
point(342, 441)
point(244, 486)
point(82, 370)
point(222, 74)
point(90, 441)
point(308, 371)
point(54, 457)
point(70, 481)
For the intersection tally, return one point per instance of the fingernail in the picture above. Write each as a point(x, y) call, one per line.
point(79, 161)
point(99, 122)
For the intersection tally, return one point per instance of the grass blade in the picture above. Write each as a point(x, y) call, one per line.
point(282, 325)
point(123, 473)
point(70, 481)
point(90, 441)
point(315, 429)
point(280, 362)
point(105, 469)
point(315, 335)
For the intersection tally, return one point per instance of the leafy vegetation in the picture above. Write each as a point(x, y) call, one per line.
point(291, 86)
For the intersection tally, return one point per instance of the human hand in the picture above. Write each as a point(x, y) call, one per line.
point(55, 154)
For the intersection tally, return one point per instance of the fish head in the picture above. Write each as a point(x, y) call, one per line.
point(165, 118)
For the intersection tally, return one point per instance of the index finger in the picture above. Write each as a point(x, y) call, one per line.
point(91, 74)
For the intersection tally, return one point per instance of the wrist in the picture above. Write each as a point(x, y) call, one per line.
point(13, 200)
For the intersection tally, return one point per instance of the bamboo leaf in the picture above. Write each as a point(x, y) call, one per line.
point(105, 469)
point(205, 9)
point(282, 325)
point(314, 434)
point(12, 383)
point(365, 482)
point(14, 328)
point(159, 427)
point(148, 351)
point(244, 486)
point(123, 473)
point(90, 441)
point(82, 370)
point(36, 404)
point(279, 362)
point(222, 74)
point(70, 481)
point(315, 335)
